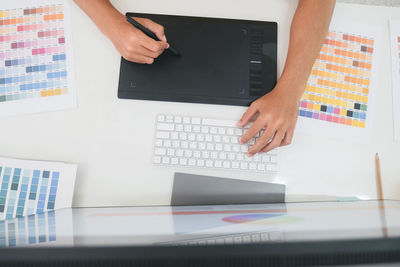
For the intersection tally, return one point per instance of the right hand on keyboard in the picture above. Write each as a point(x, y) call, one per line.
point(277, 114)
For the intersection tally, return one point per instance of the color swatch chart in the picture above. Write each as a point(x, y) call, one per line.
point(28, 230)
point(395, 53)
point(338, 88)
point(27, 190)
point(34, 54)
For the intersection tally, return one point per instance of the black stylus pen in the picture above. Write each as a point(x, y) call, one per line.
point(150, 34)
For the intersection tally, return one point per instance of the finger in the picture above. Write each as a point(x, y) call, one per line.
point(146, 52)
point(139, 59)
point(156, 28)
point(287, 140)
point(276, 141)
point(262, 141)
point(152, 45)
point(252, 131)
point(250, 112)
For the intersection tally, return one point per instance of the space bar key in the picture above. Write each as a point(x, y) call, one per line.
point(221, 123)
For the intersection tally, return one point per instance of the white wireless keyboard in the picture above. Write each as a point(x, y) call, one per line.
point(207, 143)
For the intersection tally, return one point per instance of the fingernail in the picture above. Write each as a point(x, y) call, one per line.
point(167, 45)
point(249, 154)
point(164, 38)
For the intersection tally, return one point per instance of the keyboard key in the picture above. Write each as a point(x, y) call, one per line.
point(183, 136)
point(193, 145)
point(165, 160)
point(157, 159)
point(196, 120)
point(238, 132)
point(191, 137)
point(175, 143)
point(161, 118)
point(200, 137)
point(230, 131)
point(174, 161)
point(226, 164)
point(185, 144)
point(167, 143)
point(188, 153)
point(158, 142)
point(209, 163)
point(162, 135)
point(186, 120)
point(202, 146)
point(178, 119)
point(261, 167)
point(179, 152)
point(174, 135)
point(210, 146)
point(179, 128)
point(182, 161)
point(204, 129)
point(187, 128)
point(200, 162)
point(235, 165)
point(196, 129)
point(171, 152)
point(197, 154)
point(219, 123)
point(252, 166)
point(192, 162)
point(244, 165)
point(218, 164)
point(165, 126)
point(169, 118)
point(265, 158)
point(160, 151)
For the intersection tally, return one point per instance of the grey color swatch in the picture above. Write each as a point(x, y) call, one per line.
point(192, 189)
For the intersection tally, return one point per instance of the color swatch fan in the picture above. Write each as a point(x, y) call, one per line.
point(30, 187)
point(36, 69)
point(339, 95)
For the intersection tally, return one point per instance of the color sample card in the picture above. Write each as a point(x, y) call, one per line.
point(30, 187)
point(395, 44)
point(36, 73)
point(339, 94)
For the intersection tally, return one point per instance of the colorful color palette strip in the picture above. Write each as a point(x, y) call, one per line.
point(33, 59)
point(25, 191)
point(338, 88)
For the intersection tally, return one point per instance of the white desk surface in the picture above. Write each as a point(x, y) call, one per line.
point(111, 140)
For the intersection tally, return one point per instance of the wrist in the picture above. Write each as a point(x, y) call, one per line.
point(291, 90)
point(108, 20)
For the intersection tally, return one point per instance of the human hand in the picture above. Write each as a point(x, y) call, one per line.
point(277, 113)
point(133, 44)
